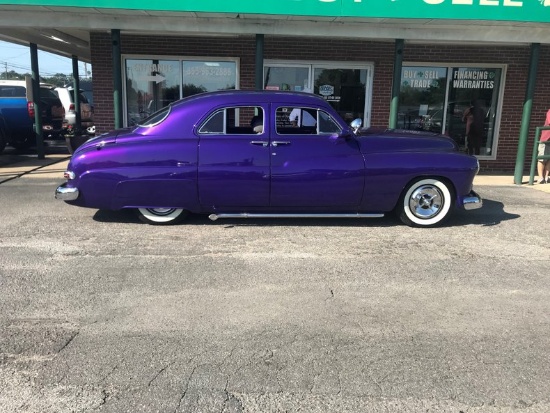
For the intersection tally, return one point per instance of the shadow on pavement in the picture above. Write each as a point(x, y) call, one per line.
point(492, 213)
point(12, 156)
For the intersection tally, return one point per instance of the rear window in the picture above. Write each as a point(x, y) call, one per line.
point(81, 97)
point(156, 117)
point(47, 93)
point(12, 92)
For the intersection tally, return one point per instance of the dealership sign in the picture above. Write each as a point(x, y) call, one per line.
point(490, 10)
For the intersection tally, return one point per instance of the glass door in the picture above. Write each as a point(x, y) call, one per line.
point(348, 88)
point(345, 89)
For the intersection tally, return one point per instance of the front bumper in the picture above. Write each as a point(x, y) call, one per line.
point(472, 201)
point(66, 194)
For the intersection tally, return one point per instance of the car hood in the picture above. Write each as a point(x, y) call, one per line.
point(393, 140)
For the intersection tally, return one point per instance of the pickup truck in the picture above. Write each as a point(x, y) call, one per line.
point(18, 115)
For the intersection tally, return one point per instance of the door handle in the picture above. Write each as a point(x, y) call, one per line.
point(280, 143)
point(259, 143)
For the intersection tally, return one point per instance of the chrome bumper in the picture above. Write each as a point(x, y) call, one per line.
point(472, 201)
point(66, 194)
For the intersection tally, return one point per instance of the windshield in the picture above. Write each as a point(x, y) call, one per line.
point(156, 117)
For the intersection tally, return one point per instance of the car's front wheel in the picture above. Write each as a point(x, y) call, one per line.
point(426, 203)
point(161, 216)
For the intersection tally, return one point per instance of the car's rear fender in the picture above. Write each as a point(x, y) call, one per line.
point(145, 172)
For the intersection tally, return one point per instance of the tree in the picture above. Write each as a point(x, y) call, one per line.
point(12, 75)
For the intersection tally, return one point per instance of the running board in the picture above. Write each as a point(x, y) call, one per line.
point(214, 217)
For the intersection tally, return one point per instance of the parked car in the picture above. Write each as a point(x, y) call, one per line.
point(19, 117)
point(67, 96)
point(201, 155)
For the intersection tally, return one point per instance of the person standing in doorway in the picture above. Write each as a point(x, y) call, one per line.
point(543, 165)
point(474, 116)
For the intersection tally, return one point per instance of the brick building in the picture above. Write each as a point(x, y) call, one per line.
point(441, 55)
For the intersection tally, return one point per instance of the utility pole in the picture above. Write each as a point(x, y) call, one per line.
point(6, 63)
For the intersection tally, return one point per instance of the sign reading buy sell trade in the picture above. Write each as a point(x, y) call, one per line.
point(510, 10)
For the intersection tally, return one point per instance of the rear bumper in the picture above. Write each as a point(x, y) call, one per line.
point(66, 194)
point(472, 201)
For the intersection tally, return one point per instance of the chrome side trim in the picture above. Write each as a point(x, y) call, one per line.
point(66, 194)
point(214, 217)
point(472, 201)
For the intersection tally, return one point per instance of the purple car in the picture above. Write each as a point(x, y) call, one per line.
point(266, 154)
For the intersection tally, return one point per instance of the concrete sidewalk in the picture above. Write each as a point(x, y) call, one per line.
point(508, 180)
point(53, 166)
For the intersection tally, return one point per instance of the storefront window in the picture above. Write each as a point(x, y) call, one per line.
point(287, 78)
point(152, 84)
point(460, 102)
point(201, 76)
point(422, 95)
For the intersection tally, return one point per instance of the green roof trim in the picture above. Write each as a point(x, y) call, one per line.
point(489, 10)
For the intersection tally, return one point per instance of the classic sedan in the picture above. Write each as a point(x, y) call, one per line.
point(236, 154)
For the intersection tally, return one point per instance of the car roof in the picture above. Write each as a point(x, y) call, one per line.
point(22, 83)
point(255, 96)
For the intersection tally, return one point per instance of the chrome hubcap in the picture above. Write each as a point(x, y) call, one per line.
point(426, 201)
point(161, 212)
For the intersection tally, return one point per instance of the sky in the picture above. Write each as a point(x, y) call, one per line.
point(18, 59)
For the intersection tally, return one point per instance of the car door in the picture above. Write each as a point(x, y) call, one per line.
point(313, 166)
point(233, 167)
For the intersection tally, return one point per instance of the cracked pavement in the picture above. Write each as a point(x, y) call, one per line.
point(100, 313)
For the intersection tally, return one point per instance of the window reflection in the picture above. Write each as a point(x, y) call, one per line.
point(441, 99)
point(152, 84)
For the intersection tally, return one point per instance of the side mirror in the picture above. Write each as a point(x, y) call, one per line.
point(356, 124)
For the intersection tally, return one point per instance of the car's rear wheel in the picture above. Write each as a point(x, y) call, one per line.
point(161, 216)
point(426, 203)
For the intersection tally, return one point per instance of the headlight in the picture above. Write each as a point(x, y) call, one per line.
point(69, 175)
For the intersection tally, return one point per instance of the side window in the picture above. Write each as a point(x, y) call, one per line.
point(305, 121)
point(235, 120)
point(327, 124)
point(215, 123)
point(296, 120)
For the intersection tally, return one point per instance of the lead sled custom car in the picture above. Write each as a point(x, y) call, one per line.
point(248, 154)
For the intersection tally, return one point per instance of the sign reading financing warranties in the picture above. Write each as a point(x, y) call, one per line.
point(511, 10)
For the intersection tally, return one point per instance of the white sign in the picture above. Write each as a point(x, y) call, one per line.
point(155, 78)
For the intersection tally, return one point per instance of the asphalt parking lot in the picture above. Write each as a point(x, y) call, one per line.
point(101, 313)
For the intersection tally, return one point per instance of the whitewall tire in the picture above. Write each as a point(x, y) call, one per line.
point(161, 216)
point(426, 203)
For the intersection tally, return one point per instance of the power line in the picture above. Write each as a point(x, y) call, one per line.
point(15, 67)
